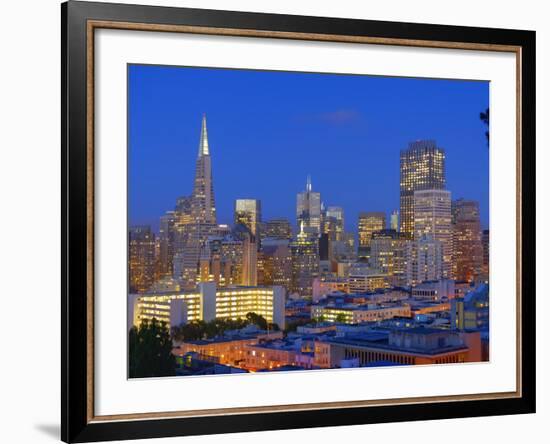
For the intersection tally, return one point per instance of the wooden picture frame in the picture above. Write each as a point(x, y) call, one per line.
point(79, 22)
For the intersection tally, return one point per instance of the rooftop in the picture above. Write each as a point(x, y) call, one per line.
point(381, 342)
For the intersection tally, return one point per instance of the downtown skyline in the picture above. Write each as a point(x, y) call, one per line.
point(236, 290)
point(353, 174)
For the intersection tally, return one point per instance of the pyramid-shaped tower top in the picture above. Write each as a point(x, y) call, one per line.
point(203, 146)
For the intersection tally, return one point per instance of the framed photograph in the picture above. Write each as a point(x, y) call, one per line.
point(275, 221)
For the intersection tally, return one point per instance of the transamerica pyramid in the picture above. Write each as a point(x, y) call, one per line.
point(204, 208)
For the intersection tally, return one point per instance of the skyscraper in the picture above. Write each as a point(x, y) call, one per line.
point(276, 262)
point(387, 255)
point(423, 260)
point(394, 220)
point(184, 205)
point(422, 167)
point(167, 235)
point(249, 213)
point(432, 219)
point(250, 261)
point(203, 216)
point(467, 243)
point(305, 262)
point(333, 223)
point(343, 249)
point(141, 253)
point(277, 229)
point(308, 210)
point(369, 222)
point(203, 206)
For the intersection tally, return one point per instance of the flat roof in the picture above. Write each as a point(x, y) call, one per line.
point(383, 345)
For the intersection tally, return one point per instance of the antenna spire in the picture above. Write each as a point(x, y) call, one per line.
point(203, 145)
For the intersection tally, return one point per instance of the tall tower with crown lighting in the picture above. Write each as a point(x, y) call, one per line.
point(203, 206)
point(308, 210)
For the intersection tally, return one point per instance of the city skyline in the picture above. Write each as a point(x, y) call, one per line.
point(232, 290)
point(153, 190)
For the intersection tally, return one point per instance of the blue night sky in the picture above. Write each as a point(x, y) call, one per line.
point(269, 130)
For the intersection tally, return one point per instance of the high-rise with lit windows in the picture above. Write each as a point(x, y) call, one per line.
point(203, 215)
point(423, 260)
point(422, 167)
point(305, 262)
point(333, 223)
point(308, 210)
point(276, 262)
point(141, 253)
point(369, 222)
point(388, 248)
point(203, 206)
point(277, 229)
point(249, 213)
point(467, 242)
point(432, 219)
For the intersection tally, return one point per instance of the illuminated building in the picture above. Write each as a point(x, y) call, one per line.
point(276, 262)
point(221, 230)
point(408, 346)
point(202, 223)
point(229, 350)
point(425, 307)
point(367, 281)
point(423, 261)
point(343, 249)
point(432, 218)
point(250, 261)
point(434, 290)
point(207, 302)
point(141, 253)
point(230, 260)
point(355, 313)
point(363, 278)
point(333, 223)
point(308, 210)
point(249, 213)
point(467, 242)
point(485, 245)
point(462, 288)
point(422, 167)
point(388, 255)
point(184, 205)
point(271, 355)
point(471, 312)
point(305, 262)
point(277, 229)
point(324, 286)
point(203, 206)
point(394, 220)
point(369, 222)
point(167, 233)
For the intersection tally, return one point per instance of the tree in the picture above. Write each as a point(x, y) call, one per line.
point(150, 350)
point(293, 325)
point(318, 320)
point(273, 326)
point(484, 117)
point(341, 317)
point(195, 330)
point(257, 319)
